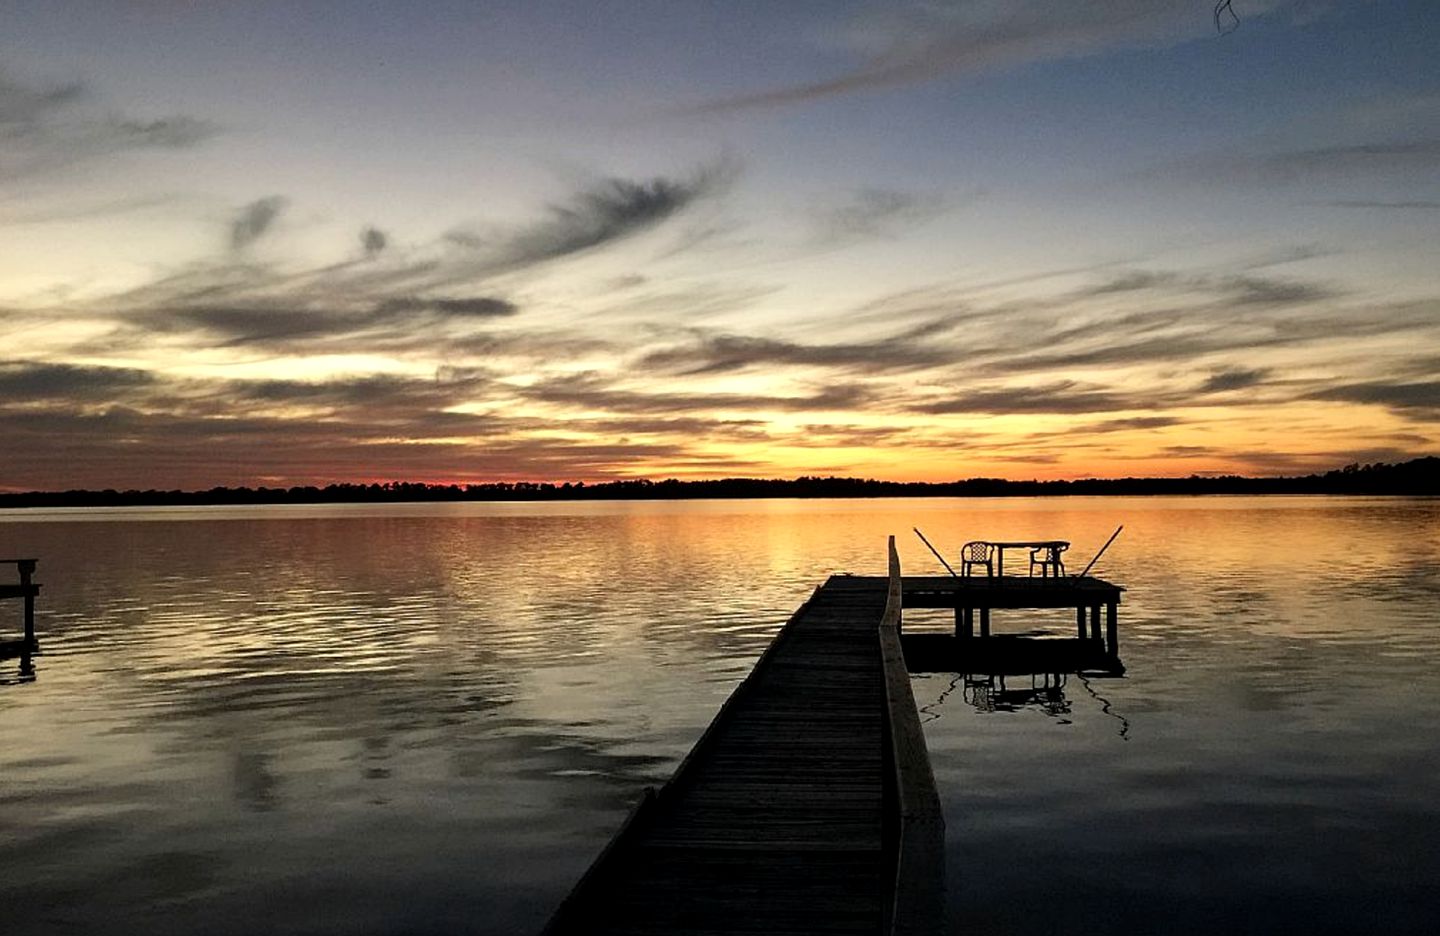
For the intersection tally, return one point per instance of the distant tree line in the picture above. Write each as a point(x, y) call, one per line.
point(1419, 476)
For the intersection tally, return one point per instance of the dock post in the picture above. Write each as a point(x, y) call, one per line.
point(1095, 622)
point(984, 622)
point(1080, 621)
point(27, 568)
point(964, 622)
point(1112, 630)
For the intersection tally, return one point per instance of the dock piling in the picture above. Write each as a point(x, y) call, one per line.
point(27, 569)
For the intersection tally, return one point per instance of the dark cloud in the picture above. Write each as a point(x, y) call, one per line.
point(29, 381)
point(62, 448)
point(385, 391)
point(1237, 319)
point(47, 127)
point(24, 107)
point(1236, 379)
point(254, 220)
point(1133, 423)
point(387, 301)
point(1417, 398)
point(1133, 281)
point(391, 323)
point(373, 241)
point(692, 426)
point(592, 391)
point(67, 425)
point(1063, 396)
point(608, 211)
point(363, 399)
point(724, 353)
point(829, 436)
point(165, 133)
point(477, 307)
point(1244, 289)
point(1264, 290)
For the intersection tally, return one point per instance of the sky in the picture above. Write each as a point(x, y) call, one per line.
point(278, 243)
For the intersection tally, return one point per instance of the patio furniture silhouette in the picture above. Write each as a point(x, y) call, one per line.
point(976, 553)
point(1048, 558)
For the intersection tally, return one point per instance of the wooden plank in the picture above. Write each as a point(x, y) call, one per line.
point(772, 823)
point(916, 904)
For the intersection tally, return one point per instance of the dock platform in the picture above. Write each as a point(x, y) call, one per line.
point(27, 590)
point(808, 805)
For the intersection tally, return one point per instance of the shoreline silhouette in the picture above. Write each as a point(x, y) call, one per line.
point(1417, 476)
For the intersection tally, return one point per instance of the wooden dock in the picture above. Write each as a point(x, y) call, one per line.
point(808, 805)
point(26, 590)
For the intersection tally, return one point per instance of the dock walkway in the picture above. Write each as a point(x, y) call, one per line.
point(773, 823)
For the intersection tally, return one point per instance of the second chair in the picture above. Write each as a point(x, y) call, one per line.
point(977, 553)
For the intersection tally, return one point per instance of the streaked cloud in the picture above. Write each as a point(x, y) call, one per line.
point(606, 211)
point(1061, 396)
point(600, 392)
point(874, 212)
point(722, 353)
point(29, 381)
point(1417, 398)
point(1234, 379)
point(910, 43)
point(46, 127)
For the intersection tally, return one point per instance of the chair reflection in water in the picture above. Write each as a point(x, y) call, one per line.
point(1048, 559)
point(977, 553)
point(988, 693)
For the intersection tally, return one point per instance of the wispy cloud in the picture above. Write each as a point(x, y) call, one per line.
point(388, 299)
point(1379, 205)
point(1236, 379)
point(724, 353)
point(592, 391)
point(874, 212)
point(1131, 424)
point(48, 127)
point(916, 42)
point(1382, 158)
point(610, 210)
point(30, 381)
point(1417, 398)
point(1061, 396)
point(293, 325)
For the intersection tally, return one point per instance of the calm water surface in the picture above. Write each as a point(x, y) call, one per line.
point(408, 719)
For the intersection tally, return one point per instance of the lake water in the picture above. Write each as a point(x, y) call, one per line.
point(428, 718)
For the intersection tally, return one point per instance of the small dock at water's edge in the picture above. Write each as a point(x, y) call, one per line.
point(25, 589)
point(809, 805)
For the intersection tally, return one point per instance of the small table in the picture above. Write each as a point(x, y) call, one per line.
point(1054, 546)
